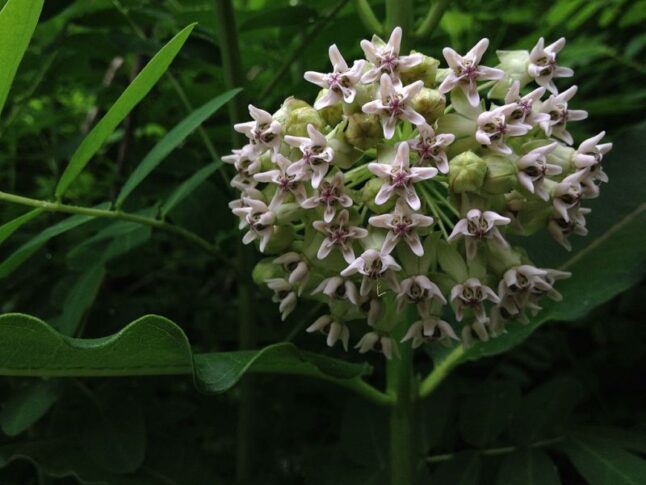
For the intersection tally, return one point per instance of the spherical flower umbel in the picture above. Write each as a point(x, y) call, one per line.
point(398, 220)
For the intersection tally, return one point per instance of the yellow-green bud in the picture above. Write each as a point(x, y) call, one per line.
point(364, 130)
point(266, 269)
point(425, 71)
point(368, 194)
point(333, 115)
point(562, 156)
point(430, 103)
point(289, 105)
point(299, 118)
point(345, 154)
point(467, 173)
point(288, 212)
point(451, 262)
point(280, 240)
point(514, 64)
point(501, 175)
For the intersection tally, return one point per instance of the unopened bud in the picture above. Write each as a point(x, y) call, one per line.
point(563, 157)
point(425, 71)
point(514, 64)
point(368, 194)
point(501, 175)
point(430, 103)
point(467, 172)
point(451, 262)
point(266, 269)
point(280, 240)
point(345, 154)
point(333, 114)
point(299, 118)
point(364, 130)
point(289, 105)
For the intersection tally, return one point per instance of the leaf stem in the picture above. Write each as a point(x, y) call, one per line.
point(399, 13)
point(502, 450)
point(111, 214)
point(440, 372)
point(368, 17)
point(432, 19)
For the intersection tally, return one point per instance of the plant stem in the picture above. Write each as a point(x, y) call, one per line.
point(399, 13)
point(368, 17)
point(401, 385)
point(440, 372)
point(502, 450)
point(432, 19)
point(111, 214)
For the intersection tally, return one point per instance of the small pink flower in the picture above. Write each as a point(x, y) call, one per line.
point(335, 331)
point(337, 287)
point(385, 58)
point(472, 294)
point(374, 340)
point(493, 128)
point(560, 228)
point(263, 131)
point(393, 104)
point(401, 225)
point(477, 226)
point(296, 266)
point(524, 112)
point(260, 219)
point(428, 329)
point(418, 290)
point(567, 194)
point(588, 157)
point(283, 294)
point(533, 168)
point(340, 83)
point(339, 234)
point(287, 183)
point(330, 194)
point(400, 177)
point(556, 106)
point(373, 265)
point(465, 71)
point(316, 158)
point(431, 147)
point(543, 67)
point(247, 163)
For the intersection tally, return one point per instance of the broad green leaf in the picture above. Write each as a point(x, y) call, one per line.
point(217, 372)
point(172, 139)
point(487, 411)
point(151, 345)
point(544, 411)
point(79, 299)
point(528, 467)
point(133, 94)
point(30, 247)
point(8, 228)
point(463, 469)
point(188, 186)
point(603, 464)
point(18, 20)
point(26, 406)
point(634, 440)
point(112, 432)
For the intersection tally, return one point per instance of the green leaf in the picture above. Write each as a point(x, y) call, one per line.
point(172, 139)
point(27, 406)
point(111, 431)
point(603, 464)
point(30, 247)
point(8, 228)
point(463, 469)
point(188, 186)
point(634, 440)
point(133, 94)
point(217, 372)
point(18, 21)
point(79, 299)
point(528, 467)
point(151, 345)
point(544, 411)
point(487, 412)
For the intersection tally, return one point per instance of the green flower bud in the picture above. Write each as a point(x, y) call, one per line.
point(467, 173)
point(501, 175)
point(514, 64)
point(289, 105)
point(500, 258)
point(531, 213)
point(288, 212)
point(364, 94)
point(368, 194)
point(425, 71)
point(364, 131)
point(430, 103)
point(345, 154)
point(562, 156)
point(333, 115)
point(266, 269)
point(280, 240)
point(299, 118)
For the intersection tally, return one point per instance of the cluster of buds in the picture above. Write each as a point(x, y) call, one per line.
point(395, 192)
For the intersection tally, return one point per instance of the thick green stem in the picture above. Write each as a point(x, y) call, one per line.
point(401, 384)
point(368, 17)
point(400, 13)
point(440, 372)
point(233, 77)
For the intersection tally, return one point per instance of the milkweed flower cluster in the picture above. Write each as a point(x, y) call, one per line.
point(397, 189)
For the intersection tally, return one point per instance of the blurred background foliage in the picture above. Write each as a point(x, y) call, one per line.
point(588, 375)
